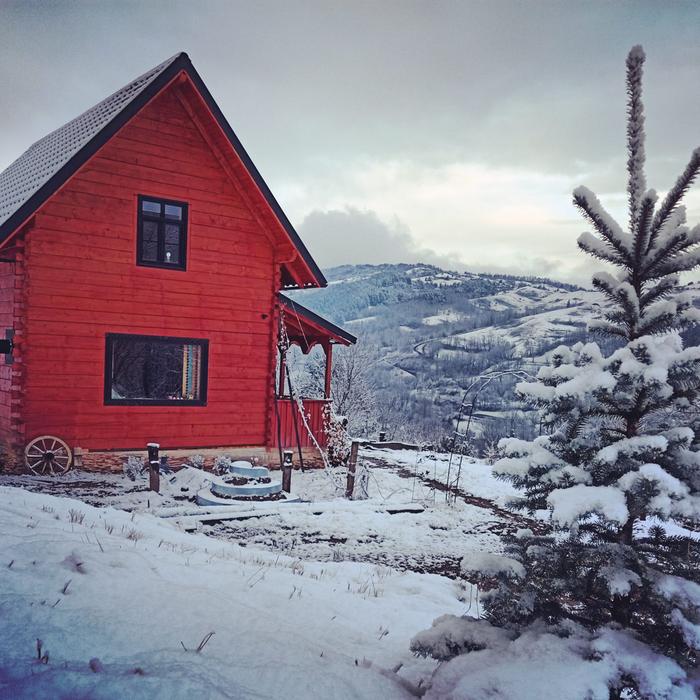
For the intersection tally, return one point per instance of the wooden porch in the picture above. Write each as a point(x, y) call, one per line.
point(284, 431)
point(304, 328)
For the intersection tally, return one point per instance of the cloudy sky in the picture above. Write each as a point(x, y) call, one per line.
point(449, 132)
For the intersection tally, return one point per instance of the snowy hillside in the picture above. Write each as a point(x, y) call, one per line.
point(356, 292)
point(429, 333)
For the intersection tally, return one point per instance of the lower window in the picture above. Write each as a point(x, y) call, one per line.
point(153, 370)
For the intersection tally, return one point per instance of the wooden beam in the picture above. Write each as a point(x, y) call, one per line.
point(328, 348)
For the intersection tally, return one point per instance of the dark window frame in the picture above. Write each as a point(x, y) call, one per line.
point(203, 379)
point(161, 220)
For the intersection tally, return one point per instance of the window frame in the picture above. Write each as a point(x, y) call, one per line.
point(110, 339)
point(161, 220)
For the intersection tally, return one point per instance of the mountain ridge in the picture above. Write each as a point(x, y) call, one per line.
point(427, 334)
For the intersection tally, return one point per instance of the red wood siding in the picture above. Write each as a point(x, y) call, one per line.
point(7, 300)
point(315, 410)
point(83, 282)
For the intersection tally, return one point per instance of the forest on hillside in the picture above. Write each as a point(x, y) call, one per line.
point(436, 345)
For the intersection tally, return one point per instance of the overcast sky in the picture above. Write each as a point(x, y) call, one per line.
point(449, 132)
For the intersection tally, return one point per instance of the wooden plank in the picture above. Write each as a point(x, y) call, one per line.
point(103, 187)
point(156, 295)
point(229, 289)
point(161, 160)
point(133, 274)
point(245, 511)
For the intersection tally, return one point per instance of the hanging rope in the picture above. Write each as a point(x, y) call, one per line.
point(276, 385)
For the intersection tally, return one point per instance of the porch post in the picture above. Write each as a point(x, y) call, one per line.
point(328, 348)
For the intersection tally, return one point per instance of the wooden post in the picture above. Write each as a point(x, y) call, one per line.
point(329, 369)
point(287, 471)
point(153, 466)
point(352, 465)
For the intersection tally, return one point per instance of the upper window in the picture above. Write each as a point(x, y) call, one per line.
point(162, 233)
point(153, 370)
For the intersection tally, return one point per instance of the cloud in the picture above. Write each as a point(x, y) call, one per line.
point(459, 215)
point(354, 236)
point(448, 132)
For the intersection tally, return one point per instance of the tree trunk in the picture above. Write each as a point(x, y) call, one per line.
point(626, 534)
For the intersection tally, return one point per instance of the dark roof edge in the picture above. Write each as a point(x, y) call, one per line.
point(182, 62)
point(91, 147)
point(255, 174)
point(323, 322)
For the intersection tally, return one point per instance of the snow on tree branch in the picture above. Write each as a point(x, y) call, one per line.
point(635, 133)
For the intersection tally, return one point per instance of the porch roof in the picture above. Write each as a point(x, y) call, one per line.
point(306, 328)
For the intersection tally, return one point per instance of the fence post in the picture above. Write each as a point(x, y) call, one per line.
point(352, 465)
point(287, 471)
point(153, 466)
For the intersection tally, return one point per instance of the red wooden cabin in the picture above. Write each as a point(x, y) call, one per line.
point(143, 257)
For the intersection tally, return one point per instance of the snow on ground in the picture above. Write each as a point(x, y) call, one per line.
point(301, 605)
point(446, 316)
point(364, 319)
point(476, 477)
point(550, 317)
point(125, 590)
point(551, 326)
point(432, 541)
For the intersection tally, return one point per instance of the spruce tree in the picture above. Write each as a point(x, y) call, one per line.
point(618, 472)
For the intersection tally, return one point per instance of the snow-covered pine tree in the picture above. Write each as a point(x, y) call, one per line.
point(614, 597)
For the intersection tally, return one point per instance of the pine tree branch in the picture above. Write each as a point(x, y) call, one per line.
point(675, 243)
point(674, 196)
point(635, 134)
point(683, 256)
point(606, 328)
point(604, 224)
point(662, 289)
point(588, 243)
point(642, 226)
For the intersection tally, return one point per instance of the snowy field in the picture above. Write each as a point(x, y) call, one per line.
point(301, 605)
point(128, 591)
point(434, 540)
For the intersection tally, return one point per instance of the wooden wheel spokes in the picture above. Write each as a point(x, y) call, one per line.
point(47, 456)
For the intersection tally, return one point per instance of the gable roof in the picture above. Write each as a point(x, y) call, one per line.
point(46, 165)
point(306, 317)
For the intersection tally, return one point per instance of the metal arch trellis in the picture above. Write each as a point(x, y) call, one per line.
point(476, 386)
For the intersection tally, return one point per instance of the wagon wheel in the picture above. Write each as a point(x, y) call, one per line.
point(47, 456)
